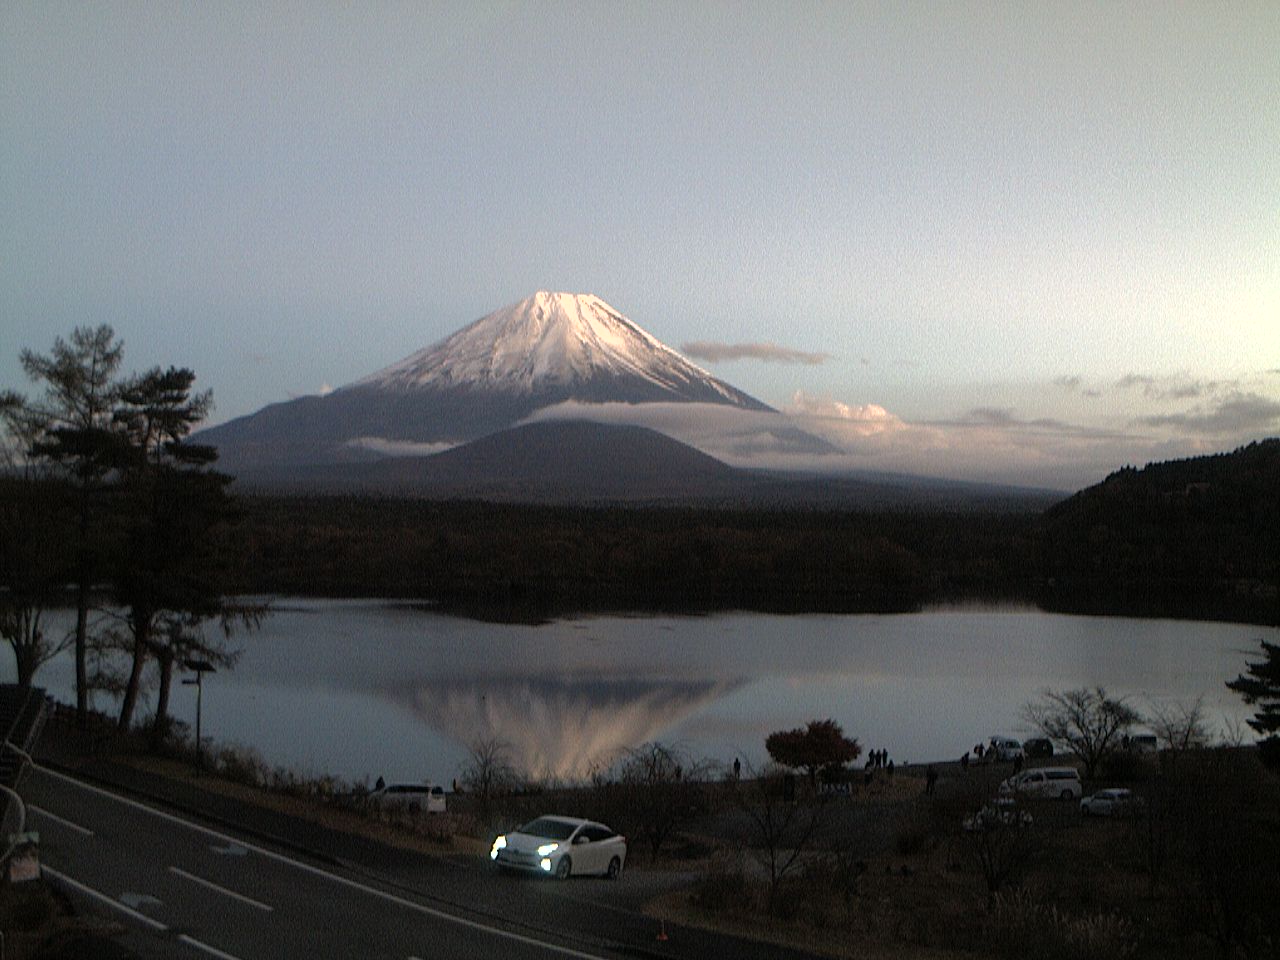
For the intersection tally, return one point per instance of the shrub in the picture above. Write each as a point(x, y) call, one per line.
point(725, 888)
point(1018, 926)
point(912, 838)
point(241, 765)
point(1123, 766)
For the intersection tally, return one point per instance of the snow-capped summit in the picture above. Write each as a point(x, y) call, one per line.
point(556, 341)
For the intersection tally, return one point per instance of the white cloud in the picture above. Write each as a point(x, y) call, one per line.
point(715, 352)
point(807, 405)
point(1239, 413)
point(397, 448)
point(986, 443)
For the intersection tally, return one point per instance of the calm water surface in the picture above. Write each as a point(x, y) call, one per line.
point(368, 688)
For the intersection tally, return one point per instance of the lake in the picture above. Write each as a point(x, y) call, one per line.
point(363, 689)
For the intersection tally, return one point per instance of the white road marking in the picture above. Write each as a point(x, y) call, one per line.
point(212, 951)
point(222, 890)
point(230, 850)
point(109, 901)
point(84, 831)
point(316, 871)
point(136, 900)
point(140, 917)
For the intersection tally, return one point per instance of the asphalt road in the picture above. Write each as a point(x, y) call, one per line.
point(187, 889)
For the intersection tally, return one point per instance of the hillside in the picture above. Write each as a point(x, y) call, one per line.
point(1197, 537)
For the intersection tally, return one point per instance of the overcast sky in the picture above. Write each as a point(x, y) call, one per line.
point(1016, 241)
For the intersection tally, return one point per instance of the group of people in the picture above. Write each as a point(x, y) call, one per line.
point(981, 752)
point(879, 759)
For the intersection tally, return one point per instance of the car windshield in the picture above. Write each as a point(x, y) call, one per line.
point(549, 827)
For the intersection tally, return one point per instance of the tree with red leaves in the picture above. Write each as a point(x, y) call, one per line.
point(820, 745)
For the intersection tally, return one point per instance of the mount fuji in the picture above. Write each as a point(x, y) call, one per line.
point(546, 350)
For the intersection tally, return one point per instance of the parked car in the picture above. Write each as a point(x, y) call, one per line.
point(413, 797)
point(1141, 743)
point(1003, 749)
point(1045, 783)
point(1112, 802)
point(1037, 748)
point(562, 847)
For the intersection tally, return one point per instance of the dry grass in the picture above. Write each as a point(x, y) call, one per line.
point(391, 830)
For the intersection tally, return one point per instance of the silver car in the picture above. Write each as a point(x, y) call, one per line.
point(561, 847)
point(1114, 802)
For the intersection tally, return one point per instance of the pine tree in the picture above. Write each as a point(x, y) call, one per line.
point(166, 578)
point(77, 436)
point(1262, 686)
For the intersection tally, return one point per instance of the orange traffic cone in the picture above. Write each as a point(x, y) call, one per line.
point(662, 930)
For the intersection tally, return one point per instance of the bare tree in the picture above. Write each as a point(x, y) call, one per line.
point(1179, 725)
point(783, 829)
point(1086, 722)
point(1235, 732)
point(489, 770)
point(657, 788)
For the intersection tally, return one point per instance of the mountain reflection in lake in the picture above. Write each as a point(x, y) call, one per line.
point(364, 688)
point(563, 728)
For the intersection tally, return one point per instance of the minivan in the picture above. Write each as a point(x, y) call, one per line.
point(1045, 783)
point(413, 797)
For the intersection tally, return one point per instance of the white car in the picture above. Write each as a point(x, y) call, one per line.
point(1044, 783)
point(562, 847)
point(1113, 802)
point(413, 797)
point(1003, 749)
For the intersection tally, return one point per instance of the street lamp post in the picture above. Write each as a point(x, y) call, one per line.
point(200, 667)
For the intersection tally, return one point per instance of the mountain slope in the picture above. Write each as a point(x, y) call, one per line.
point(581, 462)
point(560, 461)
point(547, 349)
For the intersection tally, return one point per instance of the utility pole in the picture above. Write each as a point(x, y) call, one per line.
point(200, 667)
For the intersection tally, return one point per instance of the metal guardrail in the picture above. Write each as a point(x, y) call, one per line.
point(34, 724)
point(12, 837)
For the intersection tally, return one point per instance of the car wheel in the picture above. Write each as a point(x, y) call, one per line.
point(615, 869)
point(564, 868)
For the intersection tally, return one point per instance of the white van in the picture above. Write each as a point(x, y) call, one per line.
point(1045, 783)
point(413, 797)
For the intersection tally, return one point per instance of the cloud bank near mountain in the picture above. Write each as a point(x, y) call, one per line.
point(713, 352)
point(988, 444)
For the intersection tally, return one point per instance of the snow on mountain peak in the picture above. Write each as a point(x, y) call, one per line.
point(546, 340)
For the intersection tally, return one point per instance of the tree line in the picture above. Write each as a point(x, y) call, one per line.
point(526, 562)
point(103, 497)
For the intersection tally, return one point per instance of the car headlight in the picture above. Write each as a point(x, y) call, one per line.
point(547, 849)
point(499, 844)
point(546, 864)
